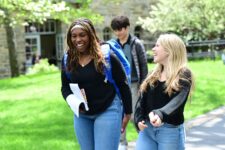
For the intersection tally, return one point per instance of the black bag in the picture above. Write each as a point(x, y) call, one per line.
point(137, 111)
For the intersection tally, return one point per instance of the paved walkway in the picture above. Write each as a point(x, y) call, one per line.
point(206, 132)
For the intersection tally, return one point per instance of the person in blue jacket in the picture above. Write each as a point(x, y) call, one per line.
point(159, 113)
point(99, 127)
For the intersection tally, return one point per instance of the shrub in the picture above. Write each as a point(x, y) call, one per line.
point(42, 66)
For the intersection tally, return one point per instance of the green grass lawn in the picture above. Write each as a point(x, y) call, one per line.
point(33, 114)
point(209, 89)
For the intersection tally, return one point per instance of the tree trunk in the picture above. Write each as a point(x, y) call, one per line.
point(11, 47)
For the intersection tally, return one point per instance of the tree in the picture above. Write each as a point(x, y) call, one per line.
point(192, 19)
point(14, 12)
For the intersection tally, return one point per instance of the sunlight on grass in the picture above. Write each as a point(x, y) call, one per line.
point(209, 91)
point(34, 114)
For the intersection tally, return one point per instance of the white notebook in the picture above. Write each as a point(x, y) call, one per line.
point(80, 97)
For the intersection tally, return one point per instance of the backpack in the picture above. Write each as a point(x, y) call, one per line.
point(111, 46)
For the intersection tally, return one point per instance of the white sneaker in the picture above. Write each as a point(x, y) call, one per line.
point(122, 147)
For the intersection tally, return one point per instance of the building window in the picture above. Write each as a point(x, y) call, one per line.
point(59, 46)
point(138, 31)
point(32, 50)
point(107, 33)
point(47, 27)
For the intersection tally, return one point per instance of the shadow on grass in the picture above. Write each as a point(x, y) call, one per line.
point(27, 80)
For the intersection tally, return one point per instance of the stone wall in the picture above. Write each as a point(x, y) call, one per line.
point(4, 55)
point(4, 52)
point(131, 8)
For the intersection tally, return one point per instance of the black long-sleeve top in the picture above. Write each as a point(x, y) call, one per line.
point(169, 108)
point(99, 93)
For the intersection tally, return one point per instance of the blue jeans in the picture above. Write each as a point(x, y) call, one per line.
point(165, 137)
point(100, 131)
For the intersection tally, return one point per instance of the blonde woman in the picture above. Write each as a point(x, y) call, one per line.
point(159, 112)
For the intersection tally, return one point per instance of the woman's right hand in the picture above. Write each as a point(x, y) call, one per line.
point(142, 125)
point(155, 120)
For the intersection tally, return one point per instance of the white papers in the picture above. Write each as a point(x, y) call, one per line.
point(79, 98)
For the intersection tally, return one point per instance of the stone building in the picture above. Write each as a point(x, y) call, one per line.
point(131, 8)
point(48, 40)
point(4, 53)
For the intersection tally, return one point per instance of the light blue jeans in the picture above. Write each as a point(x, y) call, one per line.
point(165, 137)
point(101, 131)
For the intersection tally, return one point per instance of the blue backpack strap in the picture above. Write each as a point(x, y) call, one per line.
point(116, 48)
point(65, 57)
point(107, 67)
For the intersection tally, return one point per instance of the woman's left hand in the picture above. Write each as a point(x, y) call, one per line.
point(126, 119)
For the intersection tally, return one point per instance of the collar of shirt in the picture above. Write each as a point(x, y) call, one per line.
point(127, 42)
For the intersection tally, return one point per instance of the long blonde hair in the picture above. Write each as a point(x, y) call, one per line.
point(176, 65)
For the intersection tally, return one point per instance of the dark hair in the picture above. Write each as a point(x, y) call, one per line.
point(88, 27)
point(94, 49)
point(120, 22)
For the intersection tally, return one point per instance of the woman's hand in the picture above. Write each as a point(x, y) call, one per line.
point(125, 121)
point(154, 119)
point(142, 125)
